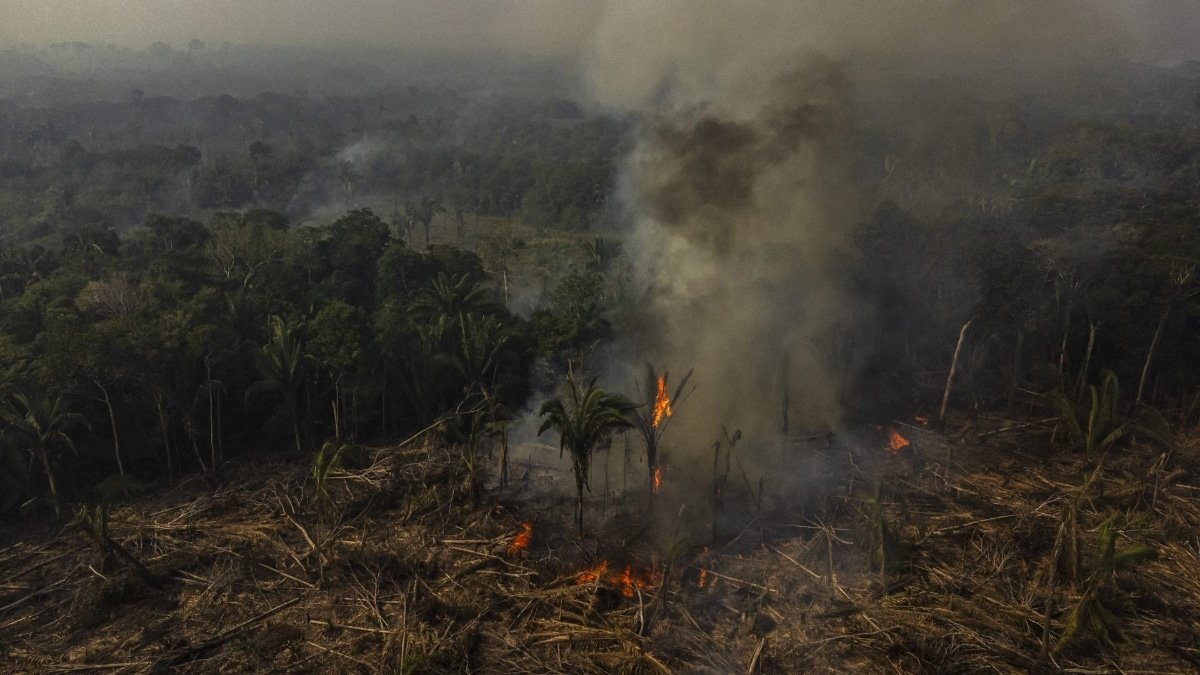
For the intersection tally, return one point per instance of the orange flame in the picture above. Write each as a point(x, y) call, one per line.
point(631, 579)
point(703, 578)
point(627, 582)
point(592, 573)
point(662, 403)
point(521, 541)
point(896, 442)
point(657, 478)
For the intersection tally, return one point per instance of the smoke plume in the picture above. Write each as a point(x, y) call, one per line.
point(742, 186)
point(743, 226)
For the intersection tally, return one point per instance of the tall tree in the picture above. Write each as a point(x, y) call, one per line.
point(653, 415)
point(284, 367)
point(585, 418)
point(44, 421)
point(422, 213)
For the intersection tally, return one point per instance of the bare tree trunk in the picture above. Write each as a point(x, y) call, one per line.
point(214, 459)
point(162, 425)
point(112, 419)
point(1087, 360)
point(1162, 322)
point(962, 334)
point(212, 441)
point(44, 456)
point(625, 467)
point(190, 426)
point(716, 493)
point(383, 407)
point(220, 445)
point(337, 398)
point(579, 505)
point(503, 457)
point(1062, 352)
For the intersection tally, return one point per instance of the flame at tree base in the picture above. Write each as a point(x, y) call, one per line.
point(657, 479)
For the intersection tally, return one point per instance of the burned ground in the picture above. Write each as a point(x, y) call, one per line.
point(936, 559)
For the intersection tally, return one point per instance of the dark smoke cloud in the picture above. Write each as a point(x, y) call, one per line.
point(744, 222)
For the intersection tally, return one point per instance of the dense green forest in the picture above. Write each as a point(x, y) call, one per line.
point(188, 277)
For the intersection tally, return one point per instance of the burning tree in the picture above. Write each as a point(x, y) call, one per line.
point(585, 418)
point(651, 417)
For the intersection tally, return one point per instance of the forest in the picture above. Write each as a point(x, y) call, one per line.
point(346, 299)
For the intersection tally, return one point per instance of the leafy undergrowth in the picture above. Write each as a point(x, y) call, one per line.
point(941, 559)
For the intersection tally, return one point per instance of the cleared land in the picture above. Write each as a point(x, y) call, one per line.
point(947, 567)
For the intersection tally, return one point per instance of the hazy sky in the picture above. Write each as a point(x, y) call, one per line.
point(1153, 29)
point(521, 25)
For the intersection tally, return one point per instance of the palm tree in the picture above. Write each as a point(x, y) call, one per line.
point(482, 339)
point(422, 213)
point(44, 422)
point(285, 367)
point(585, 419)
point(477, 362)
point(652, 417)
point(452, 297)
point(348, 178)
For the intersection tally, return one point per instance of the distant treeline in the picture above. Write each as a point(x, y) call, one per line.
point(85, 162)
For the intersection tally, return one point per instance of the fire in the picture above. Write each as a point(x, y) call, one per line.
point(630, 580)
point(626, 582)
point(896, 442)
point(592, 573)
point(662, 403)
point(521, 541)
point(702, 578)
point(657, 478)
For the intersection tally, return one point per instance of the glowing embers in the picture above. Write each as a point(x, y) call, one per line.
point(662, 403)
point(521, 541)
point(629, 581)
point(895, 443)
point(658, 476)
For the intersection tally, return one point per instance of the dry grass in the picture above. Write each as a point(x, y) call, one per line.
point(414, 579)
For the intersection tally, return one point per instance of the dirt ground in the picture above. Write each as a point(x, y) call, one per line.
point(947, 557)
